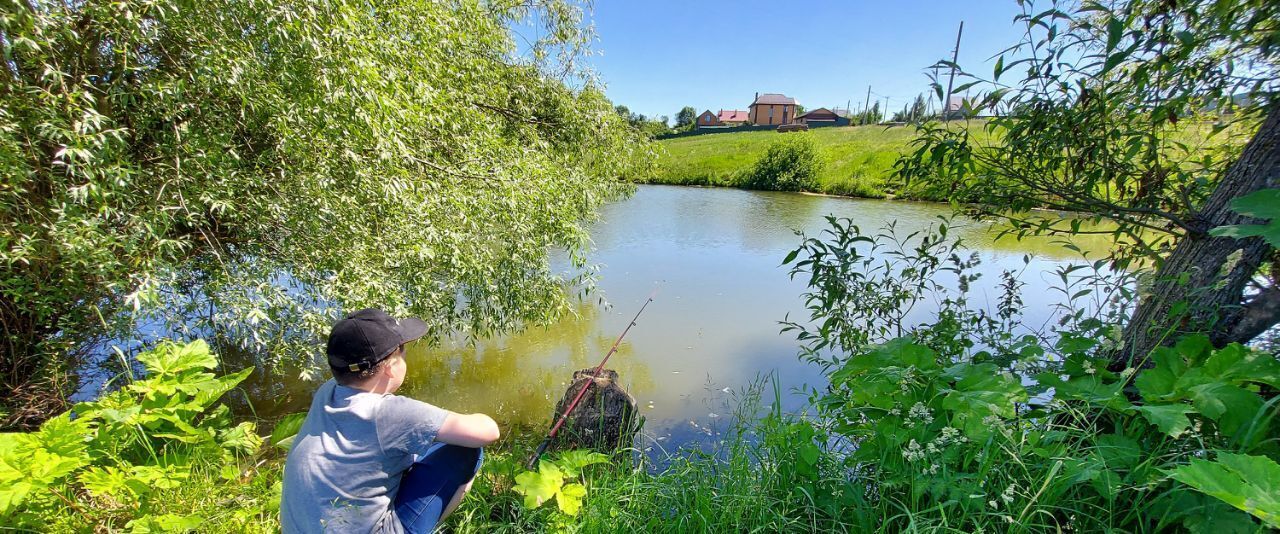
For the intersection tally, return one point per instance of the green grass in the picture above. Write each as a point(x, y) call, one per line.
point(858, 159)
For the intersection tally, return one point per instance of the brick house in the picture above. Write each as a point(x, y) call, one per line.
point(707, 119)
point(773, 109)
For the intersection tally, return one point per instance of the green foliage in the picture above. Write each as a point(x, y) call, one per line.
point(791, 163)
point(1083, 134)
point(245, 169)
point(958, 421)
point(552, 481)
point(686, 117)
point(288, 426)
point(123, 458)
point(1263, 205)
point(1250, 483)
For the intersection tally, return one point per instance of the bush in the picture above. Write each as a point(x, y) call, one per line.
point(154, 456)
point(791, 164)
point(974, 420)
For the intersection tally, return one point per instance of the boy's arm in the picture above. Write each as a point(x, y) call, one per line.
point(468, 430)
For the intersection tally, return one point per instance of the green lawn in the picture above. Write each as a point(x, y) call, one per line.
point(858, 158)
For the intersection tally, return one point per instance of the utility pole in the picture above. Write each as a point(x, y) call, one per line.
point(866, 106)
point(885, 113)
point(955, 56)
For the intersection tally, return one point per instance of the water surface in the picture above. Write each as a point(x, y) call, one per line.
point(714, 255)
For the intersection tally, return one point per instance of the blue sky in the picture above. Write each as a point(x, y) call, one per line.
point(656, 56)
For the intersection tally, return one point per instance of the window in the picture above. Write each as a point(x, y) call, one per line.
point(770, 113)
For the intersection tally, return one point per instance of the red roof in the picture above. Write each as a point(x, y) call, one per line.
point(733, 115)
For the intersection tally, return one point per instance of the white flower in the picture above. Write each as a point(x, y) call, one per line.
point(913, 451)
point(1007, 495)
point(921, 412)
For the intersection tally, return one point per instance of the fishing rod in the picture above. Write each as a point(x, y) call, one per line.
point(533, 460)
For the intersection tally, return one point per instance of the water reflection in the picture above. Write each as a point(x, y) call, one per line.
point(713, 329)
point(518, 379)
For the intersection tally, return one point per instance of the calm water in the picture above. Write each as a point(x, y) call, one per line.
point(715, 256)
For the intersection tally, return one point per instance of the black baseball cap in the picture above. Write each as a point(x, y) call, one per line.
point(364, 338)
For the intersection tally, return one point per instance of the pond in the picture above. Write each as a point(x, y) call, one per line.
point(714, 256)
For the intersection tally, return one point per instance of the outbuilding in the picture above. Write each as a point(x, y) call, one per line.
point(822, 117)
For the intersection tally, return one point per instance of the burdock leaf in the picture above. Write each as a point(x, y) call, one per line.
point(1169, 418)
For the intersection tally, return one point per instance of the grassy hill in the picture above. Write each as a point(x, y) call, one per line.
point(858, 158)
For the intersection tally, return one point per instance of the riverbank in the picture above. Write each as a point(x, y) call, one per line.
point(858, 160)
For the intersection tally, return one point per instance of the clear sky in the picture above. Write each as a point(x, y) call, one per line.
point(656, 56)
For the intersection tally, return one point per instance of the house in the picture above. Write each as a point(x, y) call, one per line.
point(725, 119)
point(708, 120)
point(772, 109)
point(822, 117)
point(734, 117)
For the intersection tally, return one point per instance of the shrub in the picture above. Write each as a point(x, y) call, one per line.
point(154, 456)
point(791, 164)
point(960, 422)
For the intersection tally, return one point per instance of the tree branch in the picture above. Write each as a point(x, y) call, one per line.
point(1257, 316)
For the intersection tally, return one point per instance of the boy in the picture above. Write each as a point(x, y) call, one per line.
point(366, 460)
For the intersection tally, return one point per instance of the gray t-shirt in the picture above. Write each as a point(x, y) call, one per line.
point(344, 468)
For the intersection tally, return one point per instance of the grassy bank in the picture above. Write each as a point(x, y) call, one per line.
point(857, 159)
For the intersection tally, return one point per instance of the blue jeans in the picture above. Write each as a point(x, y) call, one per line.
point(428, 486)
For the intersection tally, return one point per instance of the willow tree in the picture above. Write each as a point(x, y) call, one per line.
point(244, 169)
point(1156, 115)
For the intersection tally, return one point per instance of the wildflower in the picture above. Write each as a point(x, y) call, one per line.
point(991, 420)
point(992, 503)
point(895, 411)
point(913, 451)
point(921, 412)
point(1088, 367)
point(933, 468)
point(1007, 495)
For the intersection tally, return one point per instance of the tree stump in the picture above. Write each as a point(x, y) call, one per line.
point(605, 418)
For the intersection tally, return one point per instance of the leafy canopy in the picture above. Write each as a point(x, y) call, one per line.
point(247, 168)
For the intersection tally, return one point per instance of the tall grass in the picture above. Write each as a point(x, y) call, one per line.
point(859, 159)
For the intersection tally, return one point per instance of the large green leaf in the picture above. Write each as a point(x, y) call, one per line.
point(1089, 388)
point(1118, 451)
point(980, 391)
point(539, 486)
point(174, 358)
point(1263, 204)
point(1231, 406)
point(569, 499)
point(572, 462)
point(1250, 483)
point(1169, 418)
point(282, 435)
point(1236, 363)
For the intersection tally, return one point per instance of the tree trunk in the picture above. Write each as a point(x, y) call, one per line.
point(1200, 287)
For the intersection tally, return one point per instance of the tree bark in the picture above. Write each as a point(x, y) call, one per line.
point(1200, 286)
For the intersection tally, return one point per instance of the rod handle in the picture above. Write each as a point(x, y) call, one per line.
point(533, 460)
